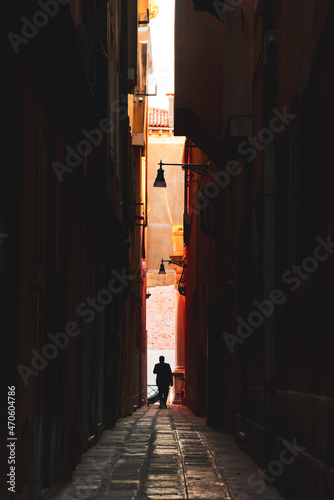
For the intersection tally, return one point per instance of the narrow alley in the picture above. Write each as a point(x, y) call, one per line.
point(166, 455)
point(167, 238)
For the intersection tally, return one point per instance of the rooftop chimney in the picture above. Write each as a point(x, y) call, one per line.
point(170, 110)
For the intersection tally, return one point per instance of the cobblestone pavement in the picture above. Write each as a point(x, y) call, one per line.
point(166, 455)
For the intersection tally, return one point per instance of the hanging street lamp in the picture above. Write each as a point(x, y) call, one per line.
point(199, 168)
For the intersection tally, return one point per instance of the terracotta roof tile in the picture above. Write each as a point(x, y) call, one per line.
point(158, 117)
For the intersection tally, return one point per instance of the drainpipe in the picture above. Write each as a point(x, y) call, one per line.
point(268, 96)
point(124, 160)
point(185, 212)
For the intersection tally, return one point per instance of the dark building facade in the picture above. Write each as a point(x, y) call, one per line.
point(259, 338)
point(254, 97)
point(72, 253)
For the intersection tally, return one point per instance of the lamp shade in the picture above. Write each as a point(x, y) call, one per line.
point(162, 268)
point(160, 179)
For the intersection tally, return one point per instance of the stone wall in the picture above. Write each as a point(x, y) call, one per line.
point(161, 318)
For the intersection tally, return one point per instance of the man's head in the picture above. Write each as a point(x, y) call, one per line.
point(162, 359)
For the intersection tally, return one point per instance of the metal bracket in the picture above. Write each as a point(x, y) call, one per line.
point(145, 93)
point(190, 166)
point(180, 263)
point(146, 21)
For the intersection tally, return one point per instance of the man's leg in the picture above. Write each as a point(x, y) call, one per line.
point(161, 398)
point(165, 393)
point(166, 397)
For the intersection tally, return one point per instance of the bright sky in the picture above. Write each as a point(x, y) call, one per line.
point(162, 38)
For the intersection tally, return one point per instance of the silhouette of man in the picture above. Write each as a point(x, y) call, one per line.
point(164, 380)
